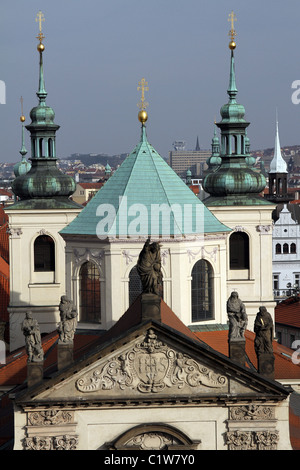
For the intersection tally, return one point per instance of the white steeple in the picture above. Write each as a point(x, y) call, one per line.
point(278, 164)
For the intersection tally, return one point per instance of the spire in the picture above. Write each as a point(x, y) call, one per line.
point(197, 145)
point(231, 180)
point(23, 166)
point(278, 164)
point(44, 185)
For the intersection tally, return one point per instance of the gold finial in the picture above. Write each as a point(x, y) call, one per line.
point(232, 32)
point(22, 118)
point(143, 115)
point(39, 18)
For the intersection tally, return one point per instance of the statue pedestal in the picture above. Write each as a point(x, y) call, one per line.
point(266, 365)
point(237, 350)
point(35, 373)
point(64, 354)
point(151, 307)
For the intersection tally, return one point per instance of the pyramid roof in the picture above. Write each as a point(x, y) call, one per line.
point(141, 186)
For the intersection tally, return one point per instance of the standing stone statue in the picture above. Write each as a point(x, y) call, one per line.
point(237, 316)
point(33, 341)
point(149, 268)
point(264, 329)
point(68, 320)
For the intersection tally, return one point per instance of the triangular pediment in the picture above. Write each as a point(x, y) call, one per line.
point(153, 363)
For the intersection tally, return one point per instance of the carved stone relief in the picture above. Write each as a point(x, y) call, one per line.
point(150, 366)
point(64, 442)
point(252, 440)
point(252, 412)
point(50, 429)
point(50, 417)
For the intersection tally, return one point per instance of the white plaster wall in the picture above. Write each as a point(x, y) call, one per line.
point(254, 286)
point(29, 290)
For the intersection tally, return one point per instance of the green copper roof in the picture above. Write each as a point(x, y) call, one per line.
point(143, 183)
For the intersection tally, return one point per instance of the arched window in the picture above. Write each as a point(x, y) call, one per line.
point(293, 248)
point(135, 285)
point(239, 250)
point(89, 293)
point(278, 248)
point(202, 291)
point(44, 254)
point(285, 248)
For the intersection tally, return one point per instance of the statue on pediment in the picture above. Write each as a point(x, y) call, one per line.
point(68, 320)
point(149, 268)
point(237, 317)
point(264, 330)
point(33, 342)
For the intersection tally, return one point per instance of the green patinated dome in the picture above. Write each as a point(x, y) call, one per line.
point(22, 167)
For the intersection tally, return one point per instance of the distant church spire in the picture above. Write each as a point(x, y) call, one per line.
point(23, 166)
point(278, 164)
point(197, 145)
point(278, 174)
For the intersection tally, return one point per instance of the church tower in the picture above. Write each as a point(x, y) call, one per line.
point(278, 175)
point(234, 188)
point(42, 208)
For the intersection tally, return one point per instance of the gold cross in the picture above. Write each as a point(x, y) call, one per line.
point(143, 86)
point(232, 19)
point(39, 18)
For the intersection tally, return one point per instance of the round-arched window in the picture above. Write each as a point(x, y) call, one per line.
point(202, 291)
point(89, 293)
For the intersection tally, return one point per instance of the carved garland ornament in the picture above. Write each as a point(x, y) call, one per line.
point(252, 440)
point(150, 366)
point(64, 442)
point(49, 417)
point(252, 412)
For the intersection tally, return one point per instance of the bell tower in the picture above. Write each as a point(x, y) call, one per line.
point(42, 208)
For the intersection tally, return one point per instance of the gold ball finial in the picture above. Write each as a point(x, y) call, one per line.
point(40, 47)
point(22, 118)
point(232, 45)
point(143, 116)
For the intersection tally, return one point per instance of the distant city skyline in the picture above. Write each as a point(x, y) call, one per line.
point(96, 53)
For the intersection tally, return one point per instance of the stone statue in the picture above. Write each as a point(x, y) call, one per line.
point(237, 316)
point(264, 330)
point(68, 320)
point(33, 341)
point(149, 268)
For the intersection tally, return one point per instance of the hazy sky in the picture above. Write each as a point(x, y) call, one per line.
point(97, 51)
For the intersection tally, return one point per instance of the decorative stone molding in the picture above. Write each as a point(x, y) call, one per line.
point(87, 254)
point(239, 228)
point(252, 412)
point(252, 440)
point(153, 437)
point(263, 229)
point(210, 254)
point(150, 366)
point(50, 417)
point(64, 442)
point(130, 257)
point(15, 232)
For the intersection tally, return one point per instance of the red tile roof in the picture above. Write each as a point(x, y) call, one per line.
point(287, 312)
point(91, 185)
point(284, 366)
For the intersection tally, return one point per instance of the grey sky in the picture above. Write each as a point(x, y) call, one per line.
point(97, 51)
